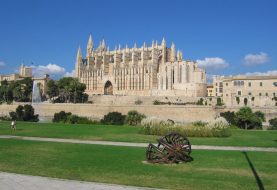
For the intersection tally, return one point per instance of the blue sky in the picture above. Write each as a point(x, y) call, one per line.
point(226, 37)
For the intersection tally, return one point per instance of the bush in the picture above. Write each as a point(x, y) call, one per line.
point(68, 117)
point(229, 116)
point(200, 102)
point(134, 118)
point(219, 102)
point(138, 102)
point(273, 124)
point(113, 118)
point(62, 117)
point(217, 128)
point(24, 113)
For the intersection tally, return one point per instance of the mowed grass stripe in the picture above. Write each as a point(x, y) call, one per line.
point(123, 165)
point(131, 134)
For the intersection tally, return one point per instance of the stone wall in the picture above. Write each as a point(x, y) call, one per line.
point(177, 113)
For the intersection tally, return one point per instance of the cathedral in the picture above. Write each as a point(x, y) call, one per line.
point(155, 70)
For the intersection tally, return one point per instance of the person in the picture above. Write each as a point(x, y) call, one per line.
point(13, 125)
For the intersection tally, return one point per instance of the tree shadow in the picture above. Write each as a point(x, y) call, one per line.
point(258, 180)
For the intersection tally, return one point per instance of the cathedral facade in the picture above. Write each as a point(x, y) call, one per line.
point(155, 70)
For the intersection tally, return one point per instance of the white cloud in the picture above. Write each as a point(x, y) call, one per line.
point(256, 59)
point(212, 63)
point(69, 74)
point(267, 73)
point(2, 64)
point(51, 69)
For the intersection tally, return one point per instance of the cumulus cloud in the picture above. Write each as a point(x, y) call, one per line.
point(69, 74)
point(212, 63)
point(256, 59)
point(267, 73)
point(2, 64)
point(51, 69)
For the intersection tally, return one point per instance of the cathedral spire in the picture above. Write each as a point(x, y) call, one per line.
point(163, 42)
point(173, 53)
point(89, 46)
point(79, 54)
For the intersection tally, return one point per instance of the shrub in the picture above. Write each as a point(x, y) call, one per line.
point(217, 128)
point(134, 118)
point(229, 116)
point(68, 117)
point(246, 119)
point(219, 102)
point(62, 116)
point(138, 102)
point(24, 113)
point(273, 124)
point(156, 102)
point(200, 101)
point(113, 118)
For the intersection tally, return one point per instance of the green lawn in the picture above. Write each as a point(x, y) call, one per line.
point(131, 134)
point(123, 165)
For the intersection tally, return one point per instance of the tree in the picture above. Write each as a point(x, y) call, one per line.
point(71, 90)
point(52, 89)
point(229, 116)
point(260, 115)
point(246, 119)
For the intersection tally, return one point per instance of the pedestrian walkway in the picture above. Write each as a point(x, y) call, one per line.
point(130, 144)
point(10, 181)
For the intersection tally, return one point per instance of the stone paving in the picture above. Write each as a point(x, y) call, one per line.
point(10, 181)
point(129, 144)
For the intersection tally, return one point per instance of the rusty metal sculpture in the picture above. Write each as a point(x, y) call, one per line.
point(172, 148)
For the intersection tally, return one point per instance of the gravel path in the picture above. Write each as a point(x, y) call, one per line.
point(129, 144)
point(10, 181)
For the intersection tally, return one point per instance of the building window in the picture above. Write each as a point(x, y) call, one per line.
point(241, 83)
point(215, 84)
point(239, 93)
point(266, 94)
point(226, 84)
point(220, 90)
point(249, 84)
point(261, 83)
point(235, 83)
point(274, 94)
point(226, 94)
point(220, 84)
point(249, 93)
point(260, 94)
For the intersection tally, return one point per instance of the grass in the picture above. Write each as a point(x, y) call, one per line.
point(123, 165)
point(131, 134)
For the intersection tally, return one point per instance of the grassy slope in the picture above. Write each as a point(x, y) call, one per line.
point(123, 165)
point(130, 134)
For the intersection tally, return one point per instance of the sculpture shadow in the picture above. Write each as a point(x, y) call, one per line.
point(257, 178)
